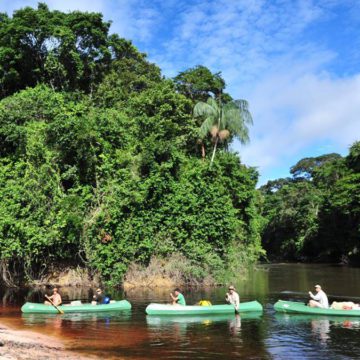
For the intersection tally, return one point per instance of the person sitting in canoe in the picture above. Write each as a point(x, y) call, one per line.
point(99, 297)
point(178, 297)
point(232, 297)
point(55, 298)
point(319, 300)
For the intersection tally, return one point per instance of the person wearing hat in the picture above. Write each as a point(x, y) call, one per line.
point(55, 298)
point(319, 300)
point(232, 297)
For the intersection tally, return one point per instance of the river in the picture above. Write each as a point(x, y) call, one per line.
point(133, 335)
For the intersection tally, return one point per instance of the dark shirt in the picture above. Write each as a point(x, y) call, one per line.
point(99, 298)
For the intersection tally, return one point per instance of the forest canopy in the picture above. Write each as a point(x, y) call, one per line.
point(101, 163)
point(315, 215)
point(105, 164)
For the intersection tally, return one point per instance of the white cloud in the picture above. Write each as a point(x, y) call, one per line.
point(81, 5)
point(133, 19)
point(261, 48)
point(264, 56)
point(310, 110)
point(329, 108)
point(245, 35)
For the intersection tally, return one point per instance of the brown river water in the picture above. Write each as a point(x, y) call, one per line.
point(134, 335)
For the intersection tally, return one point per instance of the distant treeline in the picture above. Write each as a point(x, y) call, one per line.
point(315, 214)
point(102, 163)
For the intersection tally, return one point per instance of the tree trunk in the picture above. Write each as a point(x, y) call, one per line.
point(213, 155)
point(203, 151)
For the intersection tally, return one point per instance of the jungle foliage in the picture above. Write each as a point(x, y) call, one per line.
point(315, 214)
point(99, 158)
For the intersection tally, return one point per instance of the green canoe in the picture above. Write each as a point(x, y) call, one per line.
point(293, 307)
point(88, 317)
point(166, 309)
point(48, 309)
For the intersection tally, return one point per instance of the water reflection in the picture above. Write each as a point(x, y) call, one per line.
point(8, 296)
point(133, 335)
point(334, 320)
point(235, 325)
point(213, 336)
point(319, 326)
point(321, 329)
point(56, 319)
point(177, 326)
point(159, 321)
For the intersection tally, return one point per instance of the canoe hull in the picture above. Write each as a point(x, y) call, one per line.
point(33, 308)
point(166, 309)
point(293, 307)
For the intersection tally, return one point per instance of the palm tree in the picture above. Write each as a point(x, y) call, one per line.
point(224, 120)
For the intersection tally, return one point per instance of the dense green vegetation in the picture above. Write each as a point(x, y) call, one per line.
point(315, 215)
point(101, 160)
point(104, 164)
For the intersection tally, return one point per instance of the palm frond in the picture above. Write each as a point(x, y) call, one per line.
point(233, 120)
point(202, 109)
point(212, 102)
point(243, 136)
point(243, 106)
point(230, 115)
point(206, 126)
point(224, 122)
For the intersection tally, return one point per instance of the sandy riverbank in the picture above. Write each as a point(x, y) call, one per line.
point(28, 345)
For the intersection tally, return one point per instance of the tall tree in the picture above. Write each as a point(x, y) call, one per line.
point(224, 121)
point(68, 51)
point(102, 174)
point(353, 159)
point(305, 168)
point(316, 213)
point(199, 83)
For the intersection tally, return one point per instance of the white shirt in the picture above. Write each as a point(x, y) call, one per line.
point(321, 298)
point(233, 299)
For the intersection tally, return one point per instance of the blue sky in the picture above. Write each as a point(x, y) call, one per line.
point(296, 62)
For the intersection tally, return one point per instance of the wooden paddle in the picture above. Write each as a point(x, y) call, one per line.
point(59, 310)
